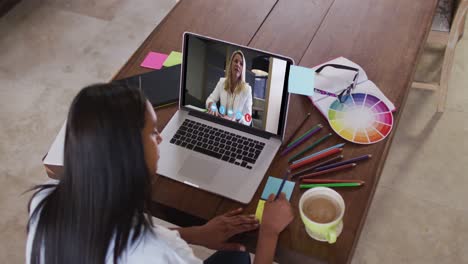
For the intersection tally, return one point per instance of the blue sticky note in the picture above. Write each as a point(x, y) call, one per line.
point(301, 80)
point(272, 186)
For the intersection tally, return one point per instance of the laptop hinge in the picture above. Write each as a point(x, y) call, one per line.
point(231, 124)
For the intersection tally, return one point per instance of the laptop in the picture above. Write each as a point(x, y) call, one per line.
point(223, 138)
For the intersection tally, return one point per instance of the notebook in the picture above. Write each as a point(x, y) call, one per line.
point(161, 87)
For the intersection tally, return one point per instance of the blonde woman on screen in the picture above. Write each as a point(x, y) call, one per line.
point(233, 93)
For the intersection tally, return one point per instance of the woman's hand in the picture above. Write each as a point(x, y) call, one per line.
point(219, 229)
point(277, 214)
point(228, 118)
point(211, 112)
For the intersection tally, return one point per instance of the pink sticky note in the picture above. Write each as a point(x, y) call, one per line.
point(154, 60)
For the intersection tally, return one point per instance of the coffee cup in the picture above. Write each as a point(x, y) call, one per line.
point(322, 211)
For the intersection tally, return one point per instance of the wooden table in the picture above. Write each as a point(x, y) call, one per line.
point(385, 37)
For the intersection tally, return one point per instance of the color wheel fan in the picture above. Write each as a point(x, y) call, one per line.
point(361, 119)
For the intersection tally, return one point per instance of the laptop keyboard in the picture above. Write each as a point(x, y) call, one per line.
point(218, 143)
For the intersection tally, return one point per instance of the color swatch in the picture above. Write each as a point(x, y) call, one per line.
point(154, 60)
point(301, 80)
point(362, 118)
point(174, 58)
point(259, 211)
point(272, 186)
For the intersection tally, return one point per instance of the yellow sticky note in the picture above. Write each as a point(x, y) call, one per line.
point(259, 211)
point(174, 58)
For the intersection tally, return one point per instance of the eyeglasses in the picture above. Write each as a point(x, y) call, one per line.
point(344, 94)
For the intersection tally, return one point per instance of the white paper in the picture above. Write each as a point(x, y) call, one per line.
point(335, 80)
point(368, 87)
point(55, 154)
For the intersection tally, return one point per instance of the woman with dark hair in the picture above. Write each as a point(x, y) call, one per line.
point(97, 212)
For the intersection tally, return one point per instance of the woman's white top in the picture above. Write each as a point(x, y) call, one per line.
point(241, 102)
point(164, 246)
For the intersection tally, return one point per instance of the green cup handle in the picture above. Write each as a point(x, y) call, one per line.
point(332, 235)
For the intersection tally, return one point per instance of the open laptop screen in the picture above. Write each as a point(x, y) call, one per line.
point(235, 83)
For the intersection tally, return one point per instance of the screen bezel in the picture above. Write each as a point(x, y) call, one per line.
point(285, 96)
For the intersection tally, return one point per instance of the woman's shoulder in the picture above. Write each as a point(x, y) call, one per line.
point(42, 192)
point(162, 246)
point(221, 80)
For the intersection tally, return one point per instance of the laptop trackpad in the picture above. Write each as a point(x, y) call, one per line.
point(199, 170)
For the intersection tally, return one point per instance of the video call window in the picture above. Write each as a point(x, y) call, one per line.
point(233, 83)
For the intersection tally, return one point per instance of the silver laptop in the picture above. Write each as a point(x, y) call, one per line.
point(231, 118)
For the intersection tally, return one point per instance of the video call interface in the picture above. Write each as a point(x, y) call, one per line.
point(233, 83)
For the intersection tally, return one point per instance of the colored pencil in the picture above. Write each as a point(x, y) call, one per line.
point(329, 181)
point(315, 158)
point(302, 136)
point(308, 135)
point(316, 143)
point(318, 173)
point(364, 157)
point(326, 162)
point(285, 177)
point(342, 184)
point(297, 130)
point(319, 152)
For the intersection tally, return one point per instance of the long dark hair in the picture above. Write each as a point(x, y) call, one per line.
point(103, 192)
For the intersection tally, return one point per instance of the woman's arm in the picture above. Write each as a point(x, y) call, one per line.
point(218, 230)
point(190, 234)
point(215, 95)
point(276, 217)
point(266, 247)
